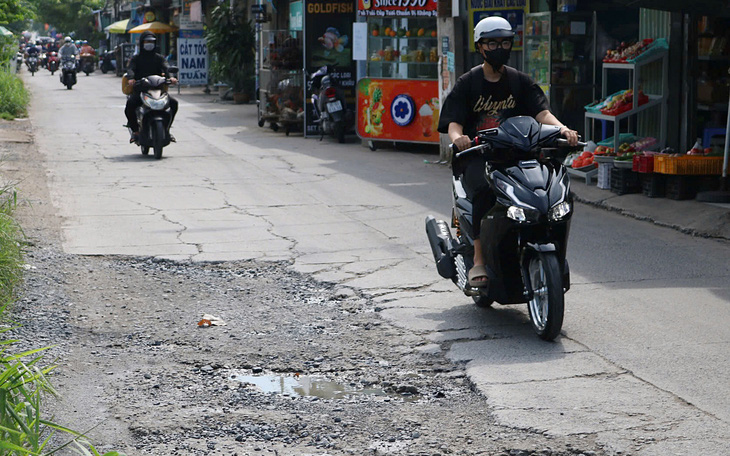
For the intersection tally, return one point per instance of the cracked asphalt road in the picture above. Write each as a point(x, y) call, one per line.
point(351, 219)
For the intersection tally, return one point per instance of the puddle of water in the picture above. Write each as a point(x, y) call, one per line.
point(310, 386)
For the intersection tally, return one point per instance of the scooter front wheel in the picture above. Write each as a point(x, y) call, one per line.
point(547, 305)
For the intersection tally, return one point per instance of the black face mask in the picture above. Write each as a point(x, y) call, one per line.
point(497, 58)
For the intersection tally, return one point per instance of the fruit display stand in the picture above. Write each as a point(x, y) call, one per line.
point(652, 100)
point(397, 95)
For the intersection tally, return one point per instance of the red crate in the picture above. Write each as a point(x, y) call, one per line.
point(643, 164)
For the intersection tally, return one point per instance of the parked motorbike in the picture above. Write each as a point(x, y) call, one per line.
point(524, 235)
point(154, 116)
point(53, 62)
point(107, 62)
point(86, 63)
point(32, 64)
point(68, 71)
point(330, 109)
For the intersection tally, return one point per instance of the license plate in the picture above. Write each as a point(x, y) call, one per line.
point(334, 106)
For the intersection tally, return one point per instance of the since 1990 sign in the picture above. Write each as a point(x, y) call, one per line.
point(397, 7)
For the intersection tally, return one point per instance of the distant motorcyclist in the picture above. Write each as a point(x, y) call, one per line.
point(68, 49)
point(52, 47)
point(145, 63)
point(87, 49)
point(32, 50)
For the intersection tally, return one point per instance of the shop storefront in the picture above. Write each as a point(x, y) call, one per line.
point(659, 119)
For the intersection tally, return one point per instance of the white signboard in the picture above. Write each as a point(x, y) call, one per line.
point(192, 58)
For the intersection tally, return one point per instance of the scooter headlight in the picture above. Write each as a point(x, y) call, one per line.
point(522, 214)
point(559, 211)
point(158, 104)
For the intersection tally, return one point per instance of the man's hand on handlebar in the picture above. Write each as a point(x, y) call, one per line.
point(131, 82)
point(173, 80)
point(462, 142)
point(570, 135)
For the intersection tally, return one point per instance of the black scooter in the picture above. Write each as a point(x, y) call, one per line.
point(68, 71)
point(154, 116)
point(330, 109)
point(107, 62)
point(32, 64)
point(524, 235)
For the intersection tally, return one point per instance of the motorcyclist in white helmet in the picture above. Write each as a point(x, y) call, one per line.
point(68, 49)
point(481, 99)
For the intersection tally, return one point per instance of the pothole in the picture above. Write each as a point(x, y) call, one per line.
point(305, 386)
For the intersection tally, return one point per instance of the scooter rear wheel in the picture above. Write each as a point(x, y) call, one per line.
point(482, 301)
point(547, 305)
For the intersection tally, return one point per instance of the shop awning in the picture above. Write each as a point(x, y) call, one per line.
point(154, 27)
point(118, 27)
point(717, 8)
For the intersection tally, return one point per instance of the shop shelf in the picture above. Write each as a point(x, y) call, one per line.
point(624, 181)
point(688, 165)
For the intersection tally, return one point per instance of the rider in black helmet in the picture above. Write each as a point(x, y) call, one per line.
point(145, 63)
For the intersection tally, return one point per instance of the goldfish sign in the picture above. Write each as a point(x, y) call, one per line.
point(327, 42)
point(192, 53)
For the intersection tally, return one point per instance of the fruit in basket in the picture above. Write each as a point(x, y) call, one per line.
point(421, 32)
point(433, 34)
point(376, 32)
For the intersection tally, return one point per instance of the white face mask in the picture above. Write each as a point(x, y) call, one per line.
point(148, 46)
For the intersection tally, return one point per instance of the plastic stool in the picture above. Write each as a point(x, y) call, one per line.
point(709, 133)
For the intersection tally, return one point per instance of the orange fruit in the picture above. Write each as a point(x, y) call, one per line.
point(433, 33)
point(387, 31)
point(376, 32)
point(421, 32)
point(393, 33)
point(408, 33)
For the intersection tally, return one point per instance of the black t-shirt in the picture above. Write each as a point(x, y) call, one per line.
point(477, 109)
point(147, 63)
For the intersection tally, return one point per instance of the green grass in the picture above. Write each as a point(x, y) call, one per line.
point(23, 378)
point(13, 95)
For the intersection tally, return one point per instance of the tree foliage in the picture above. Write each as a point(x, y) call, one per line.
point(14, 11)
point(68, 16)
point(231, 40)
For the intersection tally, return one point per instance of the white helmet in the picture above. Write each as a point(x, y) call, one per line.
point(67, 39)
point(492, 27)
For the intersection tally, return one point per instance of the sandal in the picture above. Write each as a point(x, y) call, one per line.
point(134, 138)
point(478, 272)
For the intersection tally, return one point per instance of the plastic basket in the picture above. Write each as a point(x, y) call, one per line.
point(604, 175)
point(657, 46)
point(622, 138)
point(596, 106)
point(688, 165)
point(624, 181)
point(653, 185)
point(643, 164)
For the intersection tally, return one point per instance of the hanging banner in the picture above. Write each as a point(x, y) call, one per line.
point(327, 30)
point(191, 15)
point(192, 53)
point(397, 8)
point(513, 10)
point(398, 110)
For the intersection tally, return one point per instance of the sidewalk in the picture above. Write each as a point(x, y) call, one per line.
point(688, 216)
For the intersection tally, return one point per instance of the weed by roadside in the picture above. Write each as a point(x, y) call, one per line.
point(13, 95)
